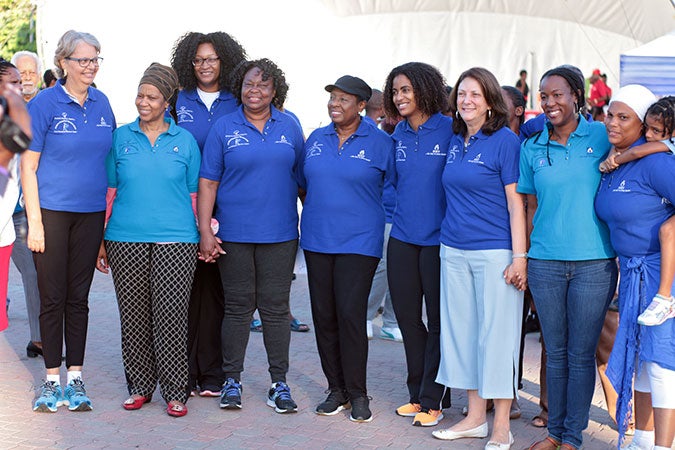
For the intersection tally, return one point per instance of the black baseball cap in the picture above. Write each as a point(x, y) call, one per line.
point(352, 85)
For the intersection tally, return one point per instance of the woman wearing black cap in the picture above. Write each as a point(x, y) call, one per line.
point(151, 241)
point(342, 230)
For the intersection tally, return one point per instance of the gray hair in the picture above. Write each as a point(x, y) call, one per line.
point(23, 53)
point(67, 45)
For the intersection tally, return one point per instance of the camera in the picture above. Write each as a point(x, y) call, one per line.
point(11, 135)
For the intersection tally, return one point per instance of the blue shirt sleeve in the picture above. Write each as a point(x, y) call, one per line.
point(526, 175)
point(509, 153)
point(212, 166)
point(194, 165)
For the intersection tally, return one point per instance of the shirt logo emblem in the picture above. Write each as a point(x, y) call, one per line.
point(400, 151)
point(476, 160)
point(622, 187)
point(436, 151)
point(103, 123)
point(452, 155)
point(236, 139)
point(64, 124)
point(184, 115)
point(283, 140)
point(314, 150)
point(589, 150)
point(360, 155)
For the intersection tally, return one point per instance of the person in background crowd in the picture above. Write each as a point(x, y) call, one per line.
point(572, 272)
point(379, 292)
point(635, 200)
point(483, 259)
point(21, 256)
point(258, 222)
point(30, 69)
point(522, 86)
point(48, 79)
point(342, 228)
point(64, 189)
point(203, 63)
point(599, 95)
point(416, 92)
point(151, 241)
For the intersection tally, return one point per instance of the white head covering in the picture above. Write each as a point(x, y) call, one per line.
point(636, 97)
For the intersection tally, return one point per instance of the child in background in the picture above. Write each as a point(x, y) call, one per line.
point(660, 134)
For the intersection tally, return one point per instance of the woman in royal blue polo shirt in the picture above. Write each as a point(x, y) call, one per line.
point(342, 231)
point(483, 259)
point(249, 173)
point(203, 63)
point(64, 187)
point(416, 92)
point(572, 271)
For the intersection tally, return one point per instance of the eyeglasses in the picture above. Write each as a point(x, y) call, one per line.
point(84, 62)
point(211, 61)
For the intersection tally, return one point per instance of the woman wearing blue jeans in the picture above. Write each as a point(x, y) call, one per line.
point(572, 272)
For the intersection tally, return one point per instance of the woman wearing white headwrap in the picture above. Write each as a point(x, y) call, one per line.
point(634, 201)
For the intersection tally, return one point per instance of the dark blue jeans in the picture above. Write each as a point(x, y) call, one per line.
point(571, 299)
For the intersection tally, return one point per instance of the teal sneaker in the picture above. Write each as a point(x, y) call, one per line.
point(50, 397)
point(75, 396)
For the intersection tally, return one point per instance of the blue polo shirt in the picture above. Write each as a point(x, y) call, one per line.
point(474, 177)
point(565, 180)
point(153, 185)
point(420, 200)
point(257, 196)
point(194, 117)
point(343, 210)
point(73, 142)
point(388, 192)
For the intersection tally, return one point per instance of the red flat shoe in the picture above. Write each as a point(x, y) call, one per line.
point(135, 402)
point(176, 409)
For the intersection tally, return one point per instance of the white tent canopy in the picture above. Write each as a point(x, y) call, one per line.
point(651, 65)
point(316, 41)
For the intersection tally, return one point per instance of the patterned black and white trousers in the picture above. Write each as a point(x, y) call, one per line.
point(152, 283)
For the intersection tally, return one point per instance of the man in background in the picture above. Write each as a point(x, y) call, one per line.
point(30, 69)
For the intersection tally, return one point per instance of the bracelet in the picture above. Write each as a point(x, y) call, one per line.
point(519, 255)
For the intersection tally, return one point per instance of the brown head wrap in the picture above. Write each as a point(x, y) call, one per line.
point(162, 77)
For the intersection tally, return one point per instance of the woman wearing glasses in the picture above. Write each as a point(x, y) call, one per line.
point(571, 271)
point(203, 63)
point(64, 184)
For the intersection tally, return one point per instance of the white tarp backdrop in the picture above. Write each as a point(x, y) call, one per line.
point(316, 41)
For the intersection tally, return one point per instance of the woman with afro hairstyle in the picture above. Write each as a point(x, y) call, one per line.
point(203, 63)
point(248, 178)
point(416, 92)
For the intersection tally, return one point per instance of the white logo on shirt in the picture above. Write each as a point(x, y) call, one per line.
point(283, 140)
point(622, 187)
point(314, 150)
point(64, 124)
point(360, 155)
point(236, 139)
point(103, 123)
point(184, 115)
point(400, 151)
point(589, 150)
point(476, 159)
point(452, 155)
point(436, 151)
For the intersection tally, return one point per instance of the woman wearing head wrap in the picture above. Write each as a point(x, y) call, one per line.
point(635, 200)
point(64, 185)
point(151, 241)
point(571, 272)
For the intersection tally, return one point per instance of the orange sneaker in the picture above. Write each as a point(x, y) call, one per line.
point(409, 410)
point(428, 418)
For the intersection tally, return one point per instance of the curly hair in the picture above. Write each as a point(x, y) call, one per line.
point(5, 66)
point(492, 93)
point(269, 70)
point(664, 110)
point(229, 51)
point(428, 86)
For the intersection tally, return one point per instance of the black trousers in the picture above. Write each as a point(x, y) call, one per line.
point(257, 276)
point(205, 318)
point(65, 271)
point(414, 275)
point(339, 285)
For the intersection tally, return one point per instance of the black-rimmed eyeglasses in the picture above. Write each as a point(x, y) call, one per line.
point(205, 61)
point(84, 62)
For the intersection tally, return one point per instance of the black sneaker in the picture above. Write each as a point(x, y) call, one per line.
point(334, 403)
point(361, 410)
point(279, 398)
point(230, 398)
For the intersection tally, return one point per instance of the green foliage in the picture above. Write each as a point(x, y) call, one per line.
point(17, 27)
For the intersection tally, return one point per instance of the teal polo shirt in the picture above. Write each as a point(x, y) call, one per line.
point(565, 179)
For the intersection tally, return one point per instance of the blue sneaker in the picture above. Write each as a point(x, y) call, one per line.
point(279, 398)
point(50, 398)
point(75, 396)
point(230, 397)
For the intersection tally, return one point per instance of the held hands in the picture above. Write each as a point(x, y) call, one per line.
point(610, 164)
point(516, 273)
point(102, 259)
point(209, 247)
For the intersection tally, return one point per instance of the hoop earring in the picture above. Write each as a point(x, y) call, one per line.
point(489, 114)
point(457, 114)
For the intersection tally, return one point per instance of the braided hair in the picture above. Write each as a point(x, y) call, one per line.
point(664, 110)
point(573, 78)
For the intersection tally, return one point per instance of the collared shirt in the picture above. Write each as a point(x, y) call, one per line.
point(565, 180)
point(420, 200)
point(474, 177)
point(153, 183)
point(343, 210)
point(196, 118)
point(73, 142)
point(256, 201)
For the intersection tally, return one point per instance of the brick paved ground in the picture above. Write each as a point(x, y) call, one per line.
point(256, 425)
